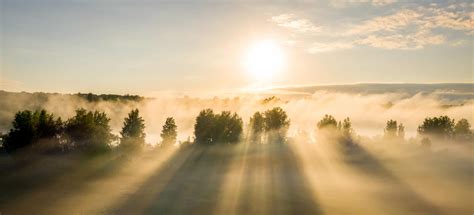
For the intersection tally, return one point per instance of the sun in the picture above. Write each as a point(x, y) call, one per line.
point(264, 60)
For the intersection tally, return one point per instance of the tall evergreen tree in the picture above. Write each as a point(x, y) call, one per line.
point(133, 131)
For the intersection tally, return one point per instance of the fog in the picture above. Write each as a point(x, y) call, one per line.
point(368, 111)
point(314, 172)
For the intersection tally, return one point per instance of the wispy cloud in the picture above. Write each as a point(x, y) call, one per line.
point(406, 29)
point(291, 22)
point(416, 40)
point(345, 3)
point(390, 23)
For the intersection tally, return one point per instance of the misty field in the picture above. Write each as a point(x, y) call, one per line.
point(351, 152)
point(292, 178)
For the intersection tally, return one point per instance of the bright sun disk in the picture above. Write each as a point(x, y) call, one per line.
point(264, 60)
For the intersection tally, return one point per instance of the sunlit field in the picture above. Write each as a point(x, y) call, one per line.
point(294, 178)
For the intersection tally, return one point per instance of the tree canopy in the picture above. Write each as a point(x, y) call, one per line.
point(217, 128)
point(133, 130)
point(326, 122)
point(169, 132)
point(441, 126)
point(89, 131)
point(462, 130)
point(31, 128)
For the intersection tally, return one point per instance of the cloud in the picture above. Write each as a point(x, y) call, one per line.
point(389, 23)
point(291, 22)
point(405, 29)
point(345, 3)
point(417, 40)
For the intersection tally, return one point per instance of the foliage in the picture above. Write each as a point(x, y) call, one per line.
point(257, 126)
point(133, 131)
point(217, 128)
point(347, 127)
point(169, 132)
point(328, 121)
point(31, 128)
point(89, 131)
point(203, 128)
point(108, 97)
point(276, 124)
point(462, 130)
point(401, 131)
point(276, 119)
point(441, 126)
point(391, 129)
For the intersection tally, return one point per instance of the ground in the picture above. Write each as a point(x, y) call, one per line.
point(293, 178)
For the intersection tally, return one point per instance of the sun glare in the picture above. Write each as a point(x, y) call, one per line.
point(264, 60)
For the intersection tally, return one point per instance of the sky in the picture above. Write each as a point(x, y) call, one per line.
point(148, 47)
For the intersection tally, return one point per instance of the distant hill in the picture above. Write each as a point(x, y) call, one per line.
point(87, 96)
point(448, 91)
point(376, 88)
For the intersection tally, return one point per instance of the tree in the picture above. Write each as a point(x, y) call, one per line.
point(133, 131)
point(441, 126)
point(276, 124)
point(391, 129)
point(203, 127)
point(228, 127)
point(33, 129)
point(217, 128)
point(462, 130)
point(89, 131)
point(328, 122)
point(347, 127)
point(169, 133)
point(257, 126)
point(401, 131)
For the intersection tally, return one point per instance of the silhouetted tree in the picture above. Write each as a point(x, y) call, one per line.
point(441, 126)
point(462, 130)
point(328, 122)
point(257, 126)
point(401, 131)
point(204, 126)
point(133, 131)
point(276, 124)
point(169, 132)
point(347, 127)
point(217, 128)
point(391, 129)
point(33, 129)
point(89, 131)
point(228, 127)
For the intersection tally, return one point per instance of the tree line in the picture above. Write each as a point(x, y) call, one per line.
point(90, 131)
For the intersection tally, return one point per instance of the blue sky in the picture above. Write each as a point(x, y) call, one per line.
point(112, 46)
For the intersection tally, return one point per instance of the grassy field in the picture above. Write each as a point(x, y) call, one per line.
point(292, 178)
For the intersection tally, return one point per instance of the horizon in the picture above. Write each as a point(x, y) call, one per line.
point(156, 46)
point(272, 90)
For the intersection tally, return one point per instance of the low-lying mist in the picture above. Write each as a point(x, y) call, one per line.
point(312, 171)
point(368, 111)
